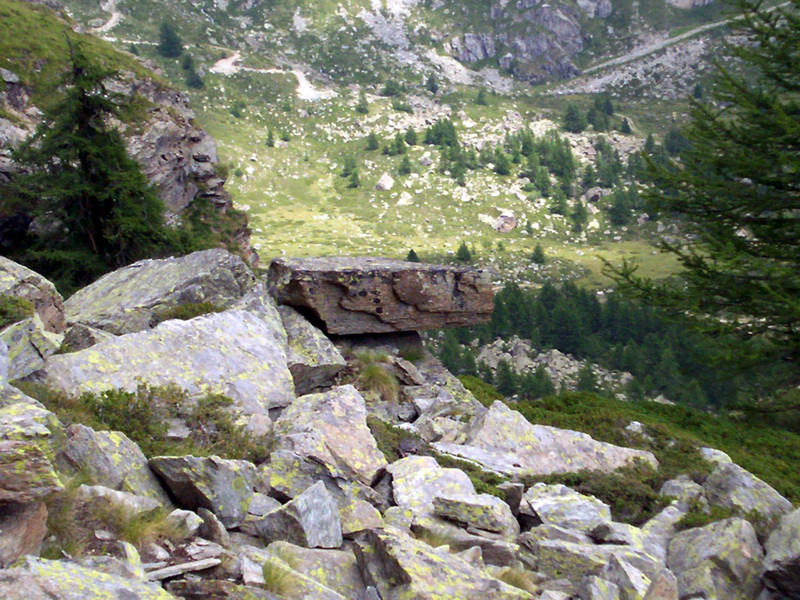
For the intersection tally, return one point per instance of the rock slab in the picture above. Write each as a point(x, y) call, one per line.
point(19, 281)
point(347, 295)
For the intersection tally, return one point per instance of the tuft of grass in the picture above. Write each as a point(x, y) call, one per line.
point(520, 579)
point(139, 530)
point(64, 535)
point(412, 353)
point(434, 539)
point(375, 376)
point(277, 576)
point(144, 415)
point(185, 311)
point(700, 515)
point(13, 310)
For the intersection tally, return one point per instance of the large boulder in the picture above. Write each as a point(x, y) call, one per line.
point(131, 298)
point(562, 559)
point(225, 487)
point(26, 473)
point(23, 528)
point(331, 428)
point(782, 563)
point(399, 566)
point(720, 560)
point(19, 281)
point(111, 459)
point(39, 579)
point(23, 418)
point(502, 440)
point(233, 353)
point(730, 486)
point(374, 295)
point(310, 520)
point(312, 358)
point(479, 511)
point(335, 569)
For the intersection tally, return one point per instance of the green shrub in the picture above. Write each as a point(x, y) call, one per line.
point(700, 516)
point(484, 393)
point(13, 310)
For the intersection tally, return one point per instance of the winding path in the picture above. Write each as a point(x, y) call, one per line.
point(109, 6)
point(305, 89)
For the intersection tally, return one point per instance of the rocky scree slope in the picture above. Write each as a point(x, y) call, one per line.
point(328, 509)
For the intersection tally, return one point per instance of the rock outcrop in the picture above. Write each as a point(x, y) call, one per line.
point(372, 295)
point(782, 562)
point(132, 298)
point(19, 281)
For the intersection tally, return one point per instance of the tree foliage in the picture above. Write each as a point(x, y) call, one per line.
point(95, 209)
point(169, 43)
point(737, 189)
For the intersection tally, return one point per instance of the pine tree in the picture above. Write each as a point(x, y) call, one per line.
point(480, 99)
point(502, 166)
point(193, 79)
point(372, 142)
point(574, 120)
point(405, 166)
point(169, 43)
point(412, 256)
point(270, 138)
point(353, 181)
point(98, 209)
point(505, 379)
point(538, 255)
point(463, 254)
point(362, 107)
point(431, 84)
point(411, 137)
point(625, 127)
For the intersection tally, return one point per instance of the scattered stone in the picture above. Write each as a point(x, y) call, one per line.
point(130, 298)
point(335, 569)
point(359, 516)
point(187, 522)
point(720, 560)
point(595, 588)
point(385, 183)
point(212, 528)
point(682, 489)
point(128, 504)
point(663, 587)
point(312, 358)
point(79, 337)
point(310, 520)
point(22, 529)
point(224, 487)
point(19, 281)
point(26, 474)
point(632, 583)
point(560, 505)
point(374, 295)
point(417, 480)
point(216, 589)
point(782, 562)
point(29, 344)
point(331, 428)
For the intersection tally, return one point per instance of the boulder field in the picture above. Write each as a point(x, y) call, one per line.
point(364, 484)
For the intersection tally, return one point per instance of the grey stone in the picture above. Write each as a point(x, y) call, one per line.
point(782, 562)
point(730, 486)
point(482, 511)
point(560, 505)
point(111, 459)
point(224, 487)
point(23, 527)
point(632, 583)
point(663, 587)
point(595, 588)
point(720, 560)
point(104, 497)
point(19, 281)
point(3, 364)
point(187, 522)
point(29, 345)
point(312, 358)
point(311, 520)
point(232, 353)
point(26, 473)
point(372, 295)
point(212, 528)
point(417, 480)
point(128, 299)
point(502, 440)
point(79, 337)
point(330, 428)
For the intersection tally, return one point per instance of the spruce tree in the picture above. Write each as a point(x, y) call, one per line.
point(270, 138)
point(412, 256)
point(538, 255)
point(574, 120)
point(362, 107)
point(737, 190)
point(169, 43)
point(463, 254)
point(431, 84)
point(405, 166)
point(372, 142)
point(97, 208)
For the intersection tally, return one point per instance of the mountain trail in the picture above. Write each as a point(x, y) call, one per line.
point(109, 6)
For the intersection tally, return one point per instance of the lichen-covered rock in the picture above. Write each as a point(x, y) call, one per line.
point(359, 516)
point(399, 566)
point(128, 299)
point(29, 344)
point(663, 587)
point(231, 353)
point(310, 520)
point(23, 418)
point(417, 480)
point(373, 295)
point(560, 505)
point(130, 504)
point(495, 550)
point(782, 562)
point(22, 530)
point(335, 569)
point(3, 364)
point(720, 560)
point(218, 589)
point(682, 489)
point(730, 486)
point(224, 487)
point(481, 511)
point(312, 358)
point(19, 281)
point(595, 588)
point(559, 559)
point(631, 582)
point(39, 579)
point(502, 440)
point(331, 428)
point(111, 459)
point(26, 473)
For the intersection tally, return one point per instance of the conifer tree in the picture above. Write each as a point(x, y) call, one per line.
point(372, 142)
point(431, 84)
point(169, 43)
point(463, 253)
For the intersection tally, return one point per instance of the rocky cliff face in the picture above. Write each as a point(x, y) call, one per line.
point(350, 489)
